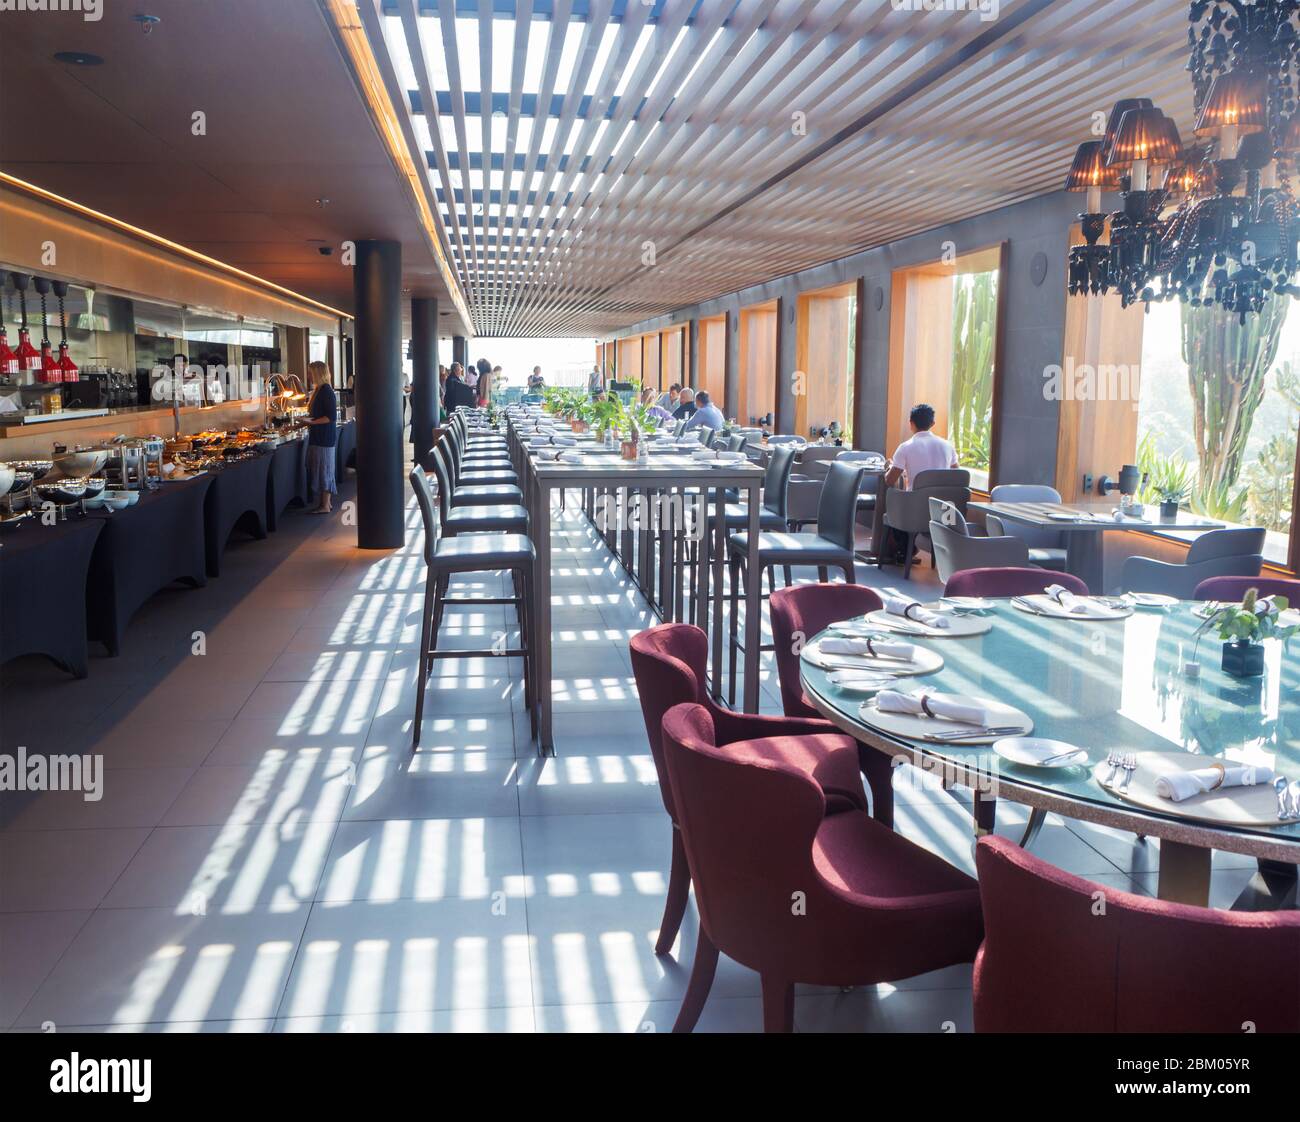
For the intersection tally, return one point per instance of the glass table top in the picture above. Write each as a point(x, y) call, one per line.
point(1111, 686)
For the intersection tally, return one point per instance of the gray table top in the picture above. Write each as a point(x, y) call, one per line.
point(1091, 517)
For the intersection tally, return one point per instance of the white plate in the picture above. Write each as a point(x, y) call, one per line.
point(959, 627)
point(1043, 605)
point(1228, 806)
point(916, 726)
point(1031, 751)
point(970, 603)
point(1151, 599)
point(923, 661)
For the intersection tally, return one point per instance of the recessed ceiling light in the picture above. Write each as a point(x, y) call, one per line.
point(78, 58)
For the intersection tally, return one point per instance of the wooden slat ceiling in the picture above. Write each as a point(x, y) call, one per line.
point(563, 136)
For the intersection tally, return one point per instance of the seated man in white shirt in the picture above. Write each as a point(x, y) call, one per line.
point(923, 451)
point(706, 415)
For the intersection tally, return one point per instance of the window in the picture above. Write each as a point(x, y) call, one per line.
point(943, 339)
point(1218, 410)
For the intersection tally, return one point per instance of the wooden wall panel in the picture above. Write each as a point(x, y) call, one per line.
point(629, 358)
point(757, 362)
point(823, 356)
point(650, 353)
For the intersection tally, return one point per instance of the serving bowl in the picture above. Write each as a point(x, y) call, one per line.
point(62, 492)
point(39, 468)
point(122, 496)
point(7, 478)
point(76, 465)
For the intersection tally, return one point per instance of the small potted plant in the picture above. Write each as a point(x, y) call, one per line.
point(1244, 627)
point(1171, 498)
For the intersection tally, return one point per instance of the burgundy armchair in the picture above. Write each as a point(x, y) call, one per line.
point(800, 612)
point(1231, 589)
point(1051, 963)
point(794, 893)
point(670, 664)
point(1010, 582)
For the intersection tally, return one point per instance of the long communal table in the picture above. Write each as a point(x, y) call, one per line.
point(605, 473)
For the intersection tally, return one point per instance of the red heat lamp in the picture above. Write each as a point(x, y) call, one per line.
point(68, 369)
point(49, 364)
point(29, 358)
point(8, 360)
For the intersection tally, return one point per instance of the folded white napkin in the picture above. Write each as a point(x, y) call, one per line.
point(1180, 785)
point(950, 708)
point(878, 648)
point(1075, 605)
point(703, 455)
point(566, 441)
point(908, 608)
point(730, 457)
point(563, 457)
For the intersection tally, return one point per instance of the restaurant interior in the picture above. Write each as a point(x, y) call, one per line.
point(927, 486)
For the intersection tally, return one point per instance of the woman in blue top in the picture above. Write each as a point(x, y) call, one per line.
point(322, 411)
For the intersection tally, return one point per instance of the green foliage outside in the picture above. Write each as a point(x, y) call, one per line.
point(970, 403)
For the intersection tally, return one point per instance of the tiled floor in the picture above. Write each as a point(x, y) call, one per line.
point(269, 856)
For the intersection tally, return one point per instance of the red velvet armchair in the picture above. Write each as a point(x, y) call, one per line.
point(799, 613)
point(1010, 581)
point(794, 893)
point(670, 664)
point(1051, 962)
point(1231, 589)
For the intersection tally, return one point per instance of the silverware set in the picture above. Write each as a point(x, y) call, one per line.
point(1117, 762)
point(973, 731)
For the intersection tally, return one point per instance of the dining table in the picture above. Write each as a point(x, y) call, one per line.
point(680, 485)
point(1148, 683)
point(1084, 526)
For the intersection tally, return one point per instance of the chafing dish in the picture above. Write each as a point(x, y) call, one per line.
point(39, 468)
point(62, 492)
point(78, 465)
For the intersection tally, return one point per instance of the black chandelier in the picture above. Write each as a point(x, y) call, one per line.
point(1213, 222)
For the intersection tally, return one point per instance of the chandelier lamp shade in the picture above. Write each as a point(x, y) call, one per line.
point(1214, 224)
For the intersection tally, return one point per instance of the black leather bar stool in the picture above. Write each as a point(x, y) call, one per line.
point(478, 493)
point(831, 547)
point(479, 458)
point(498, 518)
point(446, 557)
point(478, 473)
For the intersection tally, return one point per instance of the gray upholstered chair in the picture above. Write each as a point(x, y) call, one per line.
point(908, 512)
point(1216, 553)
point(955, 549)
point(1046, 547)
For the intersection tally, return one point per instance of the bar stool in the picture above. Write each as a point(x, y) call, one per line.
point(475, 488)
point(485, 447)
point(831, 547)
point(771, 513)
point(476, 473)
point(473, 553)
point(491, 460)
point(499, 518)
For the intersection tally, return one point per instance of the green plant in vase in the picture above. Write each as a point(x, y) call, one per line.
point(1244, 627)
point(605, 416)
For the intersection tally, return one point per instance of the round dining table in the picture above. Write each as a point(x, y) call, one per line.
point(1106, 686)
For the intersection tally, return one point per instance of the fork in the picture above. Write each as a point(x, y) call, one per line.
point(1129, 765)
point(1113, 761)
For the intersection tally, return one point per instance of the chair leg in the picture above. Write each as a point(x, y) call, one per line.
point(778, 1005)
point(697, 990)
point(789, 577)
point(822, 574)
point(850, 573)
point(426, 638)
point(734, 570)
point(877, 769)
point(908, 550)
point(679, 891)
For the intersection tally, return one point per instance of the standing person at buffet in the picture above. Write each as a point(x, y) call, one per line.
point(322, 413)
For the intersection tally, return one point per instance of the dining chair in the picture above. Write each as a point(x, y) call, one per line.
point(797, 894)
point(736, 442)
point(1008, 581)
point(956, 549)
point(831, 547)
point(495, 485)
point(908, 512)
point(1230, 590)
point(670, 666)
point(446, 557)
point(1235, 552)
point(1054, 961)
point(798, 614)
point(1046, 547)
point(475, 462)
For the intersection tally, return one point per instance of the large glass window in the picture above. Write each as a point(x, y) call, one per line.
point(970, 391)
point(1218, 412)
